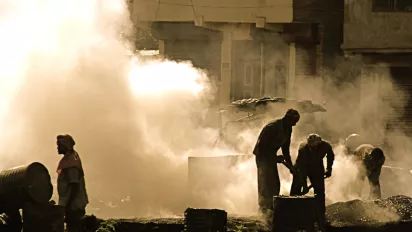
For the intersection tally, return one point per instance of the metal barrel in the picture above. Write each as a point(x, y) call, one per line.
point(24, 183)
point(291, 214)
point(205, 220)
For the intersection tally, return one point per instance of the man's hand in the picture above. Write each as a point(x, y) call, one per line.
point(290, 166)
point(328, 173)
point(280, 159)
point(305, 190)
point(292, 170)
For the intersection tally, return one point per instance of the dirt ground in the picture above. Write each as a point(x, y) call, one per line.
point(235, 224)
point(387, 215)
point(238, 224)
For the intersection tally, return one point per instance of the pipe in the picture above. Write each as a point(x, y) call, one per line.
point(261, 69)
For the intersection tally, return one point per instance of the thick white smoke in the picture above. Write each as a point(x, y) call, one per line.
point(66, 68)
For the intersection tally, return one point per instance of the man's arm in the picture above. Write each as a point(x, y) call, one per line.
point(74, 182)
point(330, 157)
point(301, 167)
point(286, 152)
point(375, 187)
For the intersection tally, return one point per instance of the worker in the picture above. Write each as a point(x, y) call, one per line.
point(309, 163)
point(71, 184)
point(369, 160)
point(275, 135)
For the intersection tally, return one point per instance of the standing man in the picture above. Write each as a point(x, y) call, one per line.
point(274, 135)
point(309, 163)
point(70, 183)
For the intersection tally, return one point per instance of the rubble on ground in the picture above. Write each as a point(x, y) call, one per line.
point(391, 214)
point(375, 213)
point(238, 224)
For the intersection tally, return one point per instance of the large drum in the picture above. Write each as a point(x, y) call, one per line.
point(19, 185)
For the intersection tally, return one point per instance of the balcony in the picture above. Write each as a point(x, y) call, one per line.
point(213, 11)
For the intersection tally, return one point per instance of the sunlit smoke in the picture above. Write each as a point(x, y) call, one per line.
point(66, 68)
point(156, 77)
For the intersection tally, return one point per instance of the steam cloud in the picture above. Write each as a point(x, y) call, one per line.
point(66, 68)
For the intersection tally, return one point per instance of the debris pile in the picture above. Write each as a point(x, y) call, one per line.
point(375, 213)
point(252, 104)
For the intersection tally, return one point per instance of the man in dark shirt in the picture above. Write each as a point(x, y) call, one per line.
point(70, 183)
point(309, 163)
point(273, 136)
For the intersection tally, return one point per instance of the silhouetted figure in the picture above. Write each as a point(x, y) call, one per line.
point(274, 135)
point(71, 184)
point(371, 160)
point(309, 164)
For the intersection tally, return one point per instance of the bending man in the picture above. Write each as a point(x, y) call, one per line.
point(370, 160)
point(309, 163)
point(274, 135)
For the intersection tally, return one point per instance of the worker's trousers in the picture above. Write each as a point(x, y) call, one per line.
point(268, 181)
point(73, 220)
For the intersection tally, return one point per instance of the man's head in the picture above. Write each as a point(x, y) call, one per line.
point(314, 140)
point(375, 159)
point(65, 143)
point(292, 117)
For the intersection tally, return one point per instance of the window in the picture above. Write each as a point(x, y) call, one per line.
point(247, 94)
point(248, 76)
point(280, 80)
point(392, 5)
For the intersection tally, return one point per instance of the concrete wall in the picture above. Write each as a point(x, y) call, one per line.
point(364, 29)
point(235, 11)
point(328, 14)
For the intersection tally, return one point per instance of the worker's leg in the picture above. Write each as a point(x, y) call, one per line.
point(318, 183)
point(268, 182)
point(359, 182)
point(296, 188)
point(374, 184)
point(74, 219)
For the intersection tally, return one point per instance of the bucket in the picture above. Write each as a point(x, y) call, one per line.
point(297, 213)
point(25, 183)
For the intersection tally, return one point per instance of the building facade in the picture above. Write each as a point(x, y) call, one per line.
point(381, 32)
point(251, 48)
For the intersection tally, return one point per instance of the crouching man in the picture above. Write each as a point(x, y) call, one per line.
point(370, 160)
point(309, 164)
point(70, 183)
